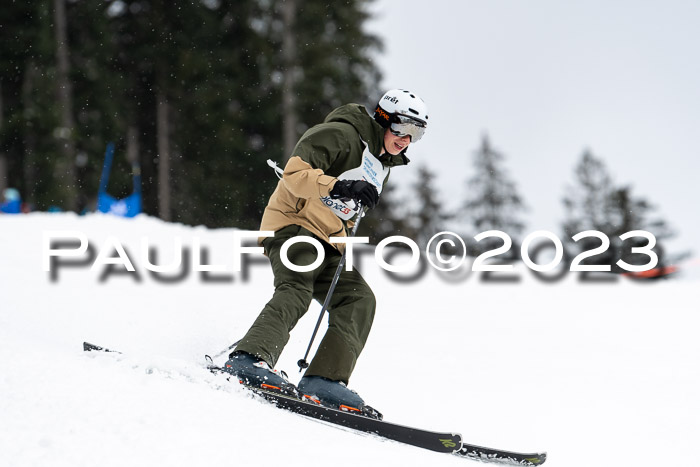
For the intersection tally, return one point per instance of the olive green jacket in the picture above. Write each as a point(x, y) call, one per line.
point(347, 145)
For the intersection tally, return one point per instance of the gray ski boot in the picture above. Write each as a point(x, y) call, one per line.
point(257, 374)
point(336, 395)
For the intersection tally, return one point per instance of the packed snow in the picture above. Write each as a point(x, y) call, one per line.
point(602, 373)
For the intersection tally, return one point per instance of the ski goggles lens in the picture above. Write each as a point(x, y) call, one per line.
point(407, 126)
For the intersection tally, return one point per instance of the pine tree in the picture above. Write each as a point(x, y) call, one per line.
point(493, 202)
point(593, 202)
point(429, 216)
point(385, 219)
point(334, 58)
point(587, 202)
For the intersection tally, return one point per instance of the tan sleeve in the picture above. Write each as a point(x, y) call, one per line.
point(303, 181)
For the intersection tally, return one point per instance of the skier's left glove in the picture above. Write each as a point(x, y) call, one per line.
point(359, 190)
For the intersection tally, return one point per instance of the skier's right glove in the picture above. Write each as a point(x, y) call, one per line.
point(358, 190)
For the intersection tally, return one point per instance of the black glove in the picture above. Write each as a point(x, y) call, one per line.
point(359, 190)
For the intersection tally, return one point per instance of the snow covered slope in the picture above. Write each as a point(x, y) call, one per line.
point(595, 374)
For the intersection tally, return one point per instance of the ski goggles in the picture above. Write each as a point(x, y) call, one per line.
point(407, 126)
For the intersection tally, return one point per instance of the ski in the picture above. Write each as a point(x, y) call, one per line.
point(434, 441)
point(443, 442)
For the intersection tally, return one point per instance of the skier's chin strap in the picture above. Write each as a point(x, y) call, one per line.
point(386, 151)
point(387, 155)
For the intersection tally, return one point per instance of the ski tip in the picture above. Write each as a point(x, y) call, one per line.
point(88, 347)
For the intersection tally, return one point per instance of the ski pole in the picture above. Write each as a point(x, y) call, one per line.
point(303, 363)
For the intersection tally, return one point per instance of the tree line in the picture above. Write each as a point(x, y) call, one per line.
point(592, 201)
point(199, 93)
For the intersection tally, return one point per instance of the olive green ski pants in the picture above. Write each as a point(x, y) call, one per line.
point(350, 312)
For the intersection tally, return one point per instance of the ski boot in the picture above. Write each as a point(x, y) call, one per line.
point(336, 395)
point(255, 373)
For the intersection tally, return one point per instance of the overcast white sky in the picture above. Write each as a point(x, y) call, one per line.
point(547, 79)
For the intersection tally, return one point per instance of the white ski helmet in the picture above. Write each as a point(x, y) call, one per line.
point(401, 106)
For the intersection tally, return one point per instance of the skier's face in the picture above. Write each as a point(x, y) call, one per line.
point(395, 144)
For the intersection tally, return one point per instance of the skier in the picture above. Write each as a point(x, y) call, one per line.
point(336, 167)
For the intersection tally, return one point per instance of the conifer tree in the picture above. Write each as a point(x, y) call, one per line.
point(429, 216)
point(594, 202)
point(492, 202)
point(385, 219)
